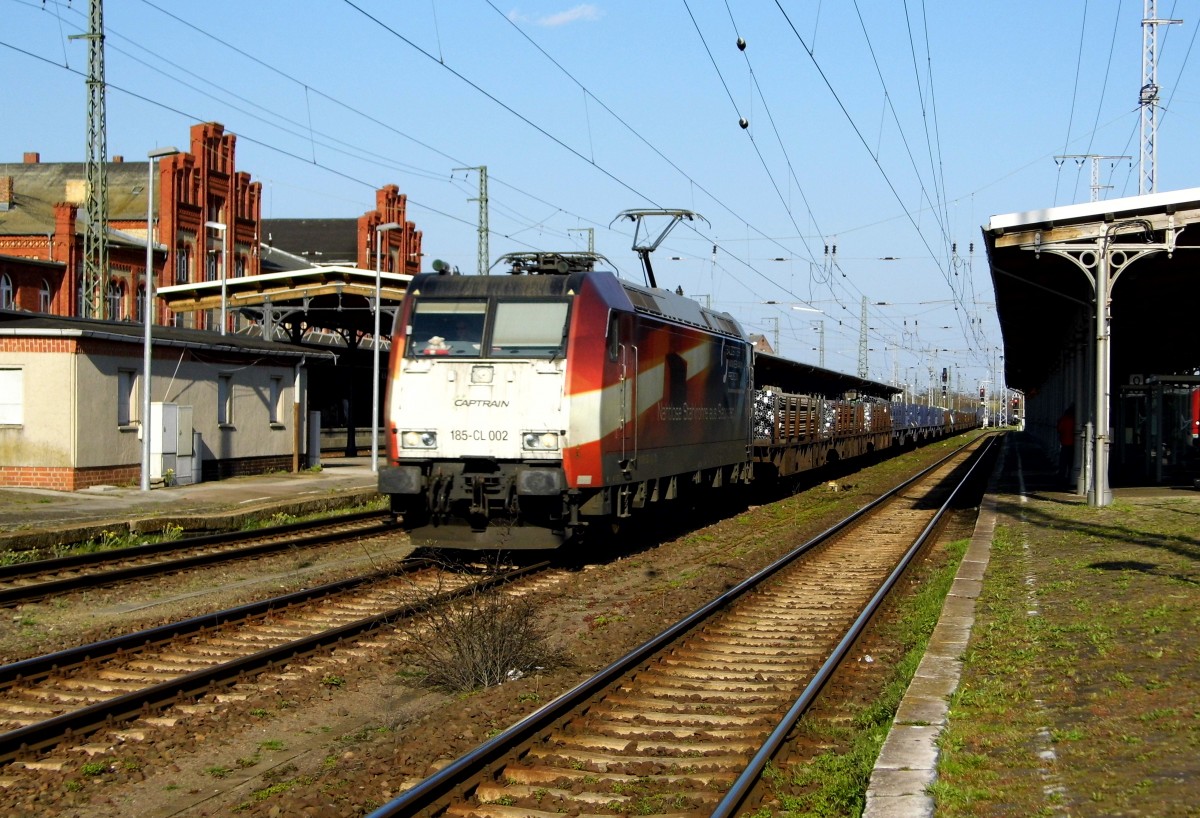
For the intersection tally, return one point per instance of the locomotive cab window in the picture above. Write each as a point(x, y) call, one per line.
point(529, 329)
point(447, 328)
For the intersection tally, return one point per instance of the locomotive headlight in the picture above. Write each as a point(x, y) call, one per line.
point(418, 440)
point(540, 441)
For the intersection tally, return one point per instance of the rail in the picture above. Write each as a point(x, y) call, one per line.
point(427, 795)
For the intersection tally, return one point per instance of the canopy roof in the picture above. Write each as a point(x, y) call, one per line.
point(333, 297)
point(1045, 301)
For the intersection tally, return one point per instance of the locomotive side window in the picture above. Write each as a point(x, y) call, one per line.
point(529, 328)
point(447, 328)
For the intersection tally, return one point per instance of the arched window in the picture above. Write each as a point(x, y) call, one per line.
point(183, 263)
point(7, 293)
point(115, 298)
point(45, 294)
point(139, 306)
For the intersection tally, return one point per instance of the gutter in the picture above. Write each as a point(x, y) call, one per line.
point(163, 342)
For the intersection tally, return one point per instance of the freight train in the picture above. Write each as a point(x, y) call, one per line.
point(550, 405)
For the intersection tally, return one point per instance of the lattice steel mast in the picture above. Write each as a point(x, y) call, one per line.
point(92, 302)
point(1148, 98)
point(482, 264)
point(862, 342)
point(1095, 159)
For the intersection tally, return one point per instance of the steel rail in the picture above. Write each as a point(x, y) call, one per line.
point(38, 590)
point(38, 666)
point(425, 794)
point(32, 738)
point(732, 803)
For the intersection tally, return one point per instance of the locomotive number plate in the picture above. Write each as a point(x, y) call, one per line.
point(491, 435)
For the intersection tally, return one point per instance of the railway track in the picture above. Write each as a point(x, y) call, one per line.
point(685, 724)
point(74, 693)
point(41, 579)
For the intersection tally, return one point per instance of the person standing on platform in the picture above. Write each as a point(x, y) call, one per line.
point(1066, 443)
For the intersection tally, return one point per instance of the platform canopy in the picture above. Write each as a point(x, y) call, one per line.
point(1043, 266)
point(330, 298)
point(793, 376)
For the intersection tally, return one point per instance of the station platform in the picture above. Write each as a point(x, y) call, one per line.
point(1141, 548)
point(33, 518)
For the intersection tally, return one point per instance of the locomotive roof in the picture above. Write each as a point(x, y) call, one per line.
point(493, 285)
point(655, 301)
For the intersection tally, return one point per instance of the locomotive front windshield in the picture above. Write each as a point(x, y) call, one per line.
point(505, 329)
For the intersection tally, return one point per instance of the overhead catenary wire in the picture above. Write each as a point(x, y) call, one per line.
point(838, 285)
point(304, 130)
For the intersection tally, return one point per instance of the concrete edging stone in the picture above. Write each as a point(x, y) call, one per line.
point(193, 521)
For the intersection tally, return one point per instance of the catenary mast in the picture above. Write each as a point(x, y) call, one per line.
point(92, 302)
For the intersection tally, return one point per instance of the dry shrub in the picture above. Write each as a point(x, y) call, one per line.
point(485, 638)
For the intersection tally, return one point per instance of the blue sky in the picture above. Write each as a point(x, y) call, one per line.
point(889, 130)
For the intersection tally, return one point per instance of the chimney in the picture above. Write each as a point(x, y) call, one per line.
point(6, 193)
point(32, 158)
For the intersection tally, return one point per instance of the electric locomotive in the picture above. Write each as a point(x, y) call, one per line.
point(529, 409)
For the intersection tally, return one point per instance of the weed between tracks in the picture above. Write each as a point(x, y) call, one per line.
point(485, 638)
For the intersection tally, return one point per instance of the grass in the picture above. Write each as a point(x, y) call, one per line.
point(114, 540)
point(283, 518)
point(1079, 683)
point(106, 541)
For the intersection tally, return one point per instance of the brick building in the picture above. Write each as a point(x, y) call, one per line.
point(209, 216)
point(71, 406)
point(208, 226)
point(348, 242)
point(207, 212)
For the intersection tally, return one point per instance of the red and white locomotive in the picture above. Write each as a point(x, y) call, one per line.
point(525, 410)
point(547, 406)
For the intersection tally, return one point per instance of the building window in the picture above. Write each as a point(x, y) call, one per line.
point(275, 409)
point(44, 296)
point(115, 298)
point(210, 267)
point(126, 378)
point(240, 266)
point(12, 396)
point(7, 293)
point(224, 400)
point(139, 305)
point(183, 263)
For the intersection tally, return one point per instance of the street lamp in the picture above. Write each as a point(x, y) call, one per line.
point(379, 231)
point(221, 229)
point(148, 309)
